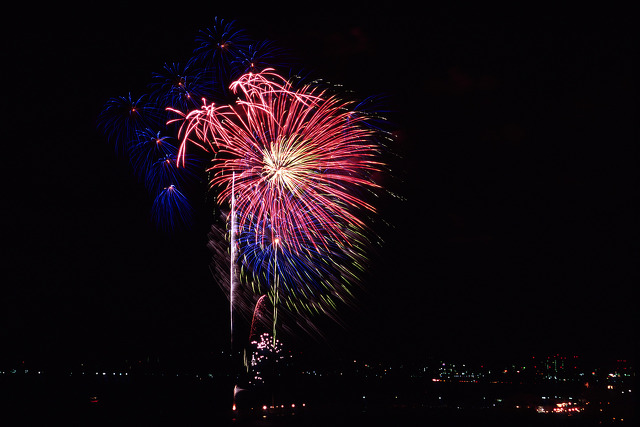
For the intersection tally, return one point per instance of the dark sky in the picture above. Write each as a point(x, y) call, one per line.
point(518, 165)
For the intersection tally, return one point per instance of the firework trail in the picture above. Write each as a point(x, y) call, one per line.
point(233, 274)
point(258, 319)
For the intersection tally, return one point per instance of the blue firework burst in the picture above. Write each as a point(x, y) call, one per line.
point(311, 278)
point(124, 117)
point(217, 47)
point(150, 146)
point(258, 56)
point(171, 210)
point(180, 87)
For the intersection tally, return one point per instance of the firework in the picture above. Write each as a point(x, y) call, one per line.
point(295, 162)
point(148, 148)
point(171, 209)
point(258, 56)
point(233, 273)
point(217, 47)
point(123, 118)
point(300, 158)
point(309, 282)
point(311, 276)
point(296, 165)
point(258, 320)
point(164, 172)
point(180, 87)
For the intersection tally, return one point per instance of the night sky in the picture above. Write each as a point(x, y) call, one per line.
point(518, 166)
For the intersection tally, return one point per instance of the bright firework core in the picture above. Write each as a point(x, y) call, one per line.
point(285, 166)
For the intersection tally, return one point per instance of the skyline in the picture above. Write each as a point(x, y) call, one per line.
point(518, 229)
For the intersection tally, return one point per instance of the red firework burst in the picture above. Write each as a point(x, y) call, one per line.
point(301, 157)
